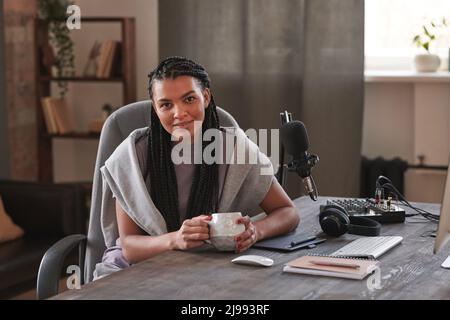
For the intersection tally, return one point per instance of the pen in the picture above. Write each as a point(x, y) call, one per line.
point(293, 243)
point(335, 264)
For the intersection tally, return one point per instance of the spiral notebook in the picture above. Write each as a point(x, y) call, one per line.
point(350, 268)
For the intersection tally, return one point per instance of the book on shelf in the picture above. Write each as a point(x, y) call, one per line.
point(117, 61)
point(109, 61)
point(57, 115)
point(48, 117)
point(349, 268)
point(90, 69)
point(112, 59)
point(104, 49)
point(96, 125)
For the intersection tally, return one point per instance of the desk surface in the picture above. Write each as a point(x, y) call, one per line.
point(408, 271)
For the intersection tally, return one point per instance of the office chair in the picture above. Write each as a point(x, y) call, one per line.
point(91, 247)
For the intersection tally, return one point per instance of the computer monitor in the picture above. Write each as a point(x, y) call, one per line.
point(443, 234)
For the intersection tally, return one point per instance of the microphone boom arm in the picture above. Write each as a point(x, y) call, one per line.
point(303, 168)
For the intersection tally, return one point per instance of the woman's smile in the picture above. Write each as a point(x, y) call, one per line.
point(182, 125)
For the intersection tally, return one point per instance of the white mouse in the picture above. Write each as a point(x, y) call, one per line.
point(253, 260)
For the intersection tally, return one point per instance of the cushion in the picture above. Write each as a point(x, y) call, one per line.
point(8, 229)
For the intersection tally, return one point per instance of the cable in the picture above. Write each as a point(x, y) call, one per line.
point(389, 185)
point(316, 192)
point(428, 215)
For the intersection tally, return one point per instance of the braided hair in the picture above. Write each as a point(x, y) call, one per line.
point(203, 197)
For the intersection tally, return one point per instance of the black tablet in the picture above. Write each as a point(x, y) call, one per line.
point(289, 242)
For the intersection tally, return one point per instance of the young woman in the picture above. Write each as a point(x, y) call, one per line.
point(181, 196)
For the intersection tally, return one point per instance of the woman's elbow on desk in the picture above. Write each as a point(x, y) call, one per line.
point(292, 217)
point(131, 251)
point(137, 248)
point(280, 221)
point(127, 253)
point(282, 215)
point(295, 216)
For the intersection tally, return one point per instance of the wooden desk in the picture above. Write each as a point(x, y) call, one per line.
point(408, 271)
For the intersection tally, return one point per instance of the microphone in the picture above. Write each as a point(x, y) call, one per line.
point(295, 140)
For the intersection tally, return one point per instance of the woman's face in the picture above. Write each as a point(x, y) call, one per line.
point(179, 103)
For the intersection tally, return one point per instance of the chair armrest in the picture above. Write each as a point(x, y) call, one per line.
point(52, 263)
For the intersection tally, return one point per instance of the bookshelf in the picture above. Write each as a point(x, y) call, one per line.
point(81, 79)
point(44, 78)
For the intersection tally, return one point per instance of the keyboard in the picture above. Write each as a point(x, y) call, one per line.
point(368, 247)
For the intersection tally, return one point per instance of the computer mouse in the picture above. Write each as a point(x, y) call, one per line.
point(253, 260)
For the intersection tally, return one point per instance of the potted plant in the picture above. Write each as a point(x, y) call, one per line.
point(53, 12)
point(427, 62)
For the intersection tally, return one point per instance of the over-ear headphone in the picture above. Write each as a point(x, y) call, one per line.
point(335, 221)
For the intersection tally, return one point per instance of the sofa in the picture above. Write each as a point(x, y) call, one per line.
point(46, 212)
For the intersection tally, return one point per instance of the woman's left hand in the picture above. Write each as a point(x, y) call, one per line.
point(247, 238)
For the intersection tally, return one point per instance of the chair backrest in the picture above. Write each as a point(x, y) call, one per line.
point(116, 128)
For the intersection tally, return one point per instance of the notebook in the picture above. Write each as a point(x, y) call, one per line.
point(332, 267)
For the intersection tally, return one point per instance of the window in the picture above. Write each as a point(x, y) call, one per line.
point(390, 26)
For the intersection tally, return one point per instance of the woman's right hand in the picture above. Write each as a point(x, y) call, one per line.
point(193, 233)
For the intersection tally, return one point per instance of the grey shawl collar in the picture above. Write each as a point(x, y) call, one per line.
point(244, 187)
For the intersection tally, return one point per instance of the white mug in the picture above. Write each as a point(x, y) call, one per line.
point(223, 228)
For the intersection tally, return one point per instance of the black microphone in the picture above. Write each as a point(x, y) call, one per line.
point(296, 143)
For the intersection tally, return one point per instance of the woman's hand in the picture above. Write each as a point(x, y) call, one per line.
point(247, 238)
point(193, 233)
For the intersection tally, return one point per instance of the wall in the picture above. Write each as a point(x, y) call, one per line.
point(4, 136)
point(406, 117)
point(388, 123)
point(75, 159)
point(20, 88)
